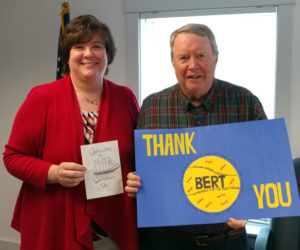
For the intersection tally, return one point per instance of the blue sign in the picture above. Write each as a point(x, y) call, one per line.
point(207, 174)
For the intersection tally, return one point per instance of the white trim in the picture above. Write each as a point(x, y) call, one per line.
point(284, 63)
point(133, 51)
point(174, 5)
point(203, 12)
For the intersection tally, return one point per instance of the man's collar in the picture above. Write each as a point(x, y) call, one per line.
point(206, 103)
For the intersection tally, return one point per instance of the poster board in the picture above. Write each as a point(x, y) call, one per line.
point(207, 174)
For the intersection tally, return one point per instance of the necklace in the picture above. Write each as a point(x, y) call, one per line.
point(93, 102)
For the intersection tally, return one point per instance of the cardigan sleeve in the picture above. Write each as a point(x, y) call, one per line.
point(23, 152)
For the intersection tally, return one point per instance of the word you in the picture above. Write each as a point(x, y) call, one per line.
point(275, 194)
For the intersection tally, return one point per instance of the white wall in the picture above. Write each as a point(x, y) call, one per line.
point(28, 45)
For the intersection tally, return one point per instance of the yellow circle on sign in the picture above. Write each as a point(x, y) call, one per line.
point(211, 184)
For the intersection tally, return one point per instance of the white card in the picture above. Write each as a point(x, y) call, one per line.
point(103, 176)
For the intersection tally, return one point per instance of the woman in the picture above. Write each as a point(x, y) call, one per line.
point(52, 211)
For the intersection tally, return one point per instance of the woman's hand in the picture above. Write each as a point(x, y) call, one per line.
point(133, 184)
point(68, 174)
point(236, 224)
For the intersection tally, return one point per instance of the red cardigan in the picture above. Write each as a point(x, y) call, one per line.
point(47, 130)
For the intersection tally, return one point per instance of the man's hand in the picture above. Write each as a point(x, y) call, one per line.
point(133, 184)
point(236, 224)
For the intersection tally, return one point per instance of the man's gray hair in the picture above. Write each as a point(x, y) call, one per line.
point(198, 29)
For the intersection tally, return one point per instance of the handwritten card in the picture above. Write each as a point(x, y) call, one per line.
point(103, 176)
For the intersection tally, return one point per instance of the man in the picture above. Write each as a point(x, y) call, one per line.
point(199, 99)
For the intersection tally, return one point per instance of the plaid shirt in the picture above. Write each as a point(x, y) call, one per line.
point(225, 103)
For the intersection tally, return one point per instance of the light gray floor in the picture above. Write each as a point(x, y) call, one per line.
point(106, 244)
point(4, 245)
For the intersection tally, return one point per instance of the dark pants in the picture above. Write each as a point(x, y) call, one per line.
point(159, 239)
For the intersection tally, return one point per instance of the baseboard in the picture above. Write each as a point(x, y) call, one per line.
point(5, 245)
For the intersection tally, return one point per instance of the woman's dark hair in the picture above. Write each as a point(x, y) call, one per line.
point(81, 29)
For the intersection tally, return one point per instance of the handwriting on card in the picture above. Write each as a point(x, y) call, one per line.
point(103, 176)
